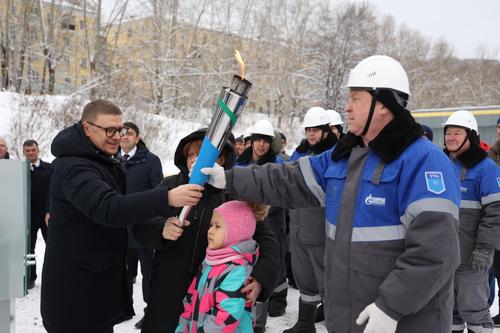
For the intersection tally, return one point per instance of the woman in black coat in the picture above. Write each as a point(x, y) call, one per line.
point(176, 262)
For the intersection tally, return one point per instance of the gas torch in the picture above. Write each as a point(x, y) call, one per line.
point(228, 108)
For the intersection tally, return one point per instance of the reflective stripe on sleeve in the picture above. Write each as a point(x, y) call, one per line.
point(439, 205)
point(310, 179)
point(490, 198)
point(472, 204)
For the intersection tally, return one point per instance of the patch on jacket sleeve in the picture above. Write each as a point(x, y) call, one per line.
point(435, 182)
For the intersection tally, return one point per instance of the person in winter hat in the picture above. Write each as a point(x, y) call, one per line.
point(184, 247)
point(479, 216)
point(215, 302)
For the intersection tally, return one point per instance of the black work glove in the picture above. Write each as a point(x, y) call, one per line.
point(482, 259)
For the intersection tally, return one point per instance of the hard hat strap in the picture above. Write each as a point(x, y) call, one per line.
point(370, 114)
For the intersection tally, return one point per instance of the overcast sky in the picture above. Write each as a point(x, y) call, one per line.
point(466, 24)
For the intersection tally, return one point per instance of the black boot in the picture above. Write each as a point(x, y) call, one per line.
point(320, 315)
point(305, 323)
point(277, 303)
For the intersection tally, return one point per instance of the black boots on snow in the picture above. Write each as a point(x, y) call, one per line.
point(305, 322)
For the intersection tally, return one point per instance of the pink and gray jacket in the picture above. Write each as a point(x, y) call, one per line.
point(214, 302)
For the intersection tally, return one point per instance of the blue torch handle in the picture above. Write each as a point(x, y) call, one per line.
point(206, 158)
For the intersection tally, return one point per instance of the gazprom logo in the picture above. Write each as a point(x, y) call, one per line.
point(375, 201)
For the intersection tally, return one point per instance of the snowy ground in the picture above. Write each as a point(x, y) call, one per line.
point(28, 319)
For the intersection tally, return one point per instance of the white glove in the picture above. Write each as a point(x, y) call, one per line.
point(216, 176)
point(378, 321)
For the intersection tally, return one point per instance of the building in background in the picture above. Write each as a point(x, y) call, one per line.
point(486, 117)
point(45, 45)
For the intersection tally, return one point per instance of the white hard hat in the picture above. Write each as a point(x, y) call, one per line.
point(248, 133)
point(335, 118)
point(379, 71)
point(315, 116)
point(263, 127)
point(462, 118)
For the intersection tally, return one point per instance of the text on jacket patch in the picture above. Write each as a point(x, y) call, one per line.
point(376, 201)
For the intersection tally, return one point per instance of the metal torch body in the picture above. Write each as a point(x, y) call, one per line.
point(229, 106)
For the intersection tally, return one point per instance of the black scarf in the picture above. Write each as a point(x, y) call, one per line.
point(394, 138)
point(318, 148)
point(246, 157)
point(471, 157)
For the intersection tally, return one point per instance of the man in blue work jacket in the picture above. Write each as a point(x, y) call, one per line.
point(391, 200)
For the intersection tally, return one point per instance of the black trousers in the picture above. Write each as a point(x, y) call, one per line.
point(33, 235)
point(145, 257)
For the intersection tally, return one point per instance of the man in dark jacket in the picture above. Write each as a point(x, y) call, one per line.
point(144, 172)
point(84, 287)
point(40, 174)
point(185, 254)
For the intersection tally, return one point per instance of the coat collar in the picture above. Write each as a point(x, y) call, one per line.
point(394, 138)
point(471, 157)
point(320, 147)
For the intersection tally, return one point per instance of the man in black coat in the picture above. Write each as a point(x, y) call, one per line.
point(40, 174)
point(144, 172)
point(84, 287)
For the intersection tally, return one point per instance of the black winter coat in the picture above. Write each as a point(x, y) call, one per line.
point(144, 172)
point(40, 183)
point(84, 287)
point(176, 263)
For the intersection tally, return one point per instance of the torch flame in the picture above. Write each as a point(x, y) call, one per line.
point(241, 62)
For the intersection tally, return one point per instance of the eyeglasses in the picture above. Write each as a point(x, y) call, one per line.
point(111, 131)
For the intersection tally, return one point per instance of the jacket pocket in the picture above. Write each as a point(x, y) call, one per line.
point(377, 261)
point(335, 180)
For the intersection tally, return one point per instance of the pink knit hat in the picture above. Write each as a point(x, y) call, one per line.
point(240, 221)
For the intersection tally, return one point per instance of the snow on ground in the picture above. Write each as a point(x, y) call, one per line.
point(28, 319)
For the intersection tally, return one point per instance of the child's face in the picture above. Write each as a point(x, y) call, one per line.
point(217, 232)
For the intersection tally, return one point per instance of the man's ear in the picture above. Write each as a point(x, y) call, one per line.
point(382, 109)
point(86, 128)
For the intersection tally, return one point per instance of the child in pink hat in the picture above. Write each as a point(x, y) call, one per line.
point(214, 302)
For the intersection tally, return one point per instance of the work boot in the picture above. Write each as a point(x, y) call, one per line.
point(277, 303)
point(320, 315)
point(305, 322)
